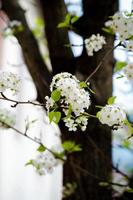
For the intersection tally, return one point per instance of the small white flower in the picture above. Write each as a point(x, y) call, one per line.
point(129, 45)
point(9, 81)
point(70, 123)
point(128, 71)
point(6, 118)
point(45, 162)
point(94, 43)
point(122, 24)
point(49, 102)
point(112, 115)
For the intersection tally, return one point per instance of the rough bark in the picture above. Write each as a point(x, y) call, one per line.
point(61, 57)
point(33, 59)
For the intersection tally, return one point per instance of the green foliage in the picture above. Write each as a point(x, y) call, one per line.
point(83, 84)
point(119, 65)
point(55, 95)
point(129, 189)
point(54, 116)
point(70, 146)
point(69, 189)
point(39, 22)
point(41, 148)
point(69, 20)
point(97, 115)
point(127, 123)
point(30, 162)
point(108, 30)
point(111, 100)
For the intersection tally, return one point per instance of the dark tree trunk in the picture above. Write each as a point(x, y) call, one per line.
point(61, 57)
point(96, 142)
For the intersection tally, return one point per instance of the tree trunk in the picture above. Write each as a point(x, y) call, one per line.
point(96, 142)
point(61, 57)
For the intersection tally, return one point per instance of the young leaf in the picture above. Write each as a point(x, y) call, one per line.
point(30, 162)
point(74, 19)
point(62, 25)
point(108, 30)
point(54, 116)
point(119, 66)
point(55, 95)
point(41, 148)
point(83, 84)
point(97, 115)
point(70, 146)
point(129, 189)
point(111, 100)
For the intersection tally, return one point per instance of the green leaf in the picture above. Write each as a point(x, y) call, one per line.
point(119, 66)
point(70, 146)
point(74, 19)
point(83, 84)
point(54, 116)
point(62, 25)
point(129, 125)
point(108, 30)
point(55, 95)
point(30, 162)
point(41, 148)
point(39, 22)
point(67, 19)
point(129, 189)
point(97, 115)
point(111, 100)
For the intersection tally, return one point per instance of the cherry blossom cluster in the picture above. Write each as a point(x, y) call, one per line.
point(94, 44)
point(128, 71)
point(45, 163)
point(73, 101)
point(112, 115)
point(7, 119)
point(122, 24)
point(9, 81)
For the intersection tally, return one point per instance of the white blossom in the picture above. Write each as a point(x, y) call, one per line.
point(112, 115)
point(70, 123)
point(7, 119)
point(94, 43)
point(9, 81)
point(74, 99)
point(129, 45)
point(49, 102)
point(121, 23)
point(128, 71)
point(45, 162)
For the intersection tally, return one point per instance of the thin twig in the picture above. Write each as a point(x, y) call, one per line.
point(101, 62)
point(19, 102)
point(35, 140)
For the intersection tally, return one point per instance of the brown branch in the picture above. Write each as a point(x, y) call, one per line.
point(101, 62)
point(35, 140)
point(20, 102)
